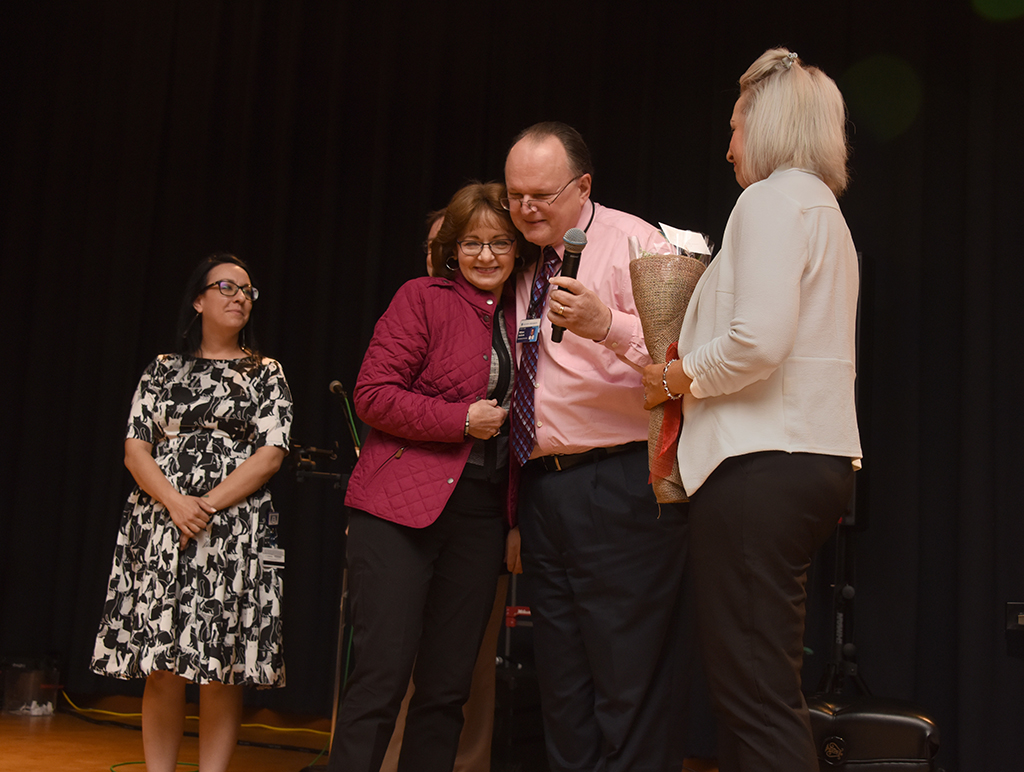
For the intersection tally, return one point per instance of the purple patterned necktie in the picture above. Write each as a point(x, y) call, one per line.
point(523, 431)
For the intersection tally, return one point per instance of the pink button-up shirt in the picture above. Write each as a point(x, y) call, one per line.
point(589, 394)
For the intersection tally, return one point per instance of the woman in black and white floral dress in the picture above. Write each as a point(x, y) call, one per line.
point(195, 589)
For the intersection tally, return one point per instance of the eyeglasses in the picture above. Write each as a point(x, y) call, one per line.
point(535, 203)
point(229, 288)
point(498, 246)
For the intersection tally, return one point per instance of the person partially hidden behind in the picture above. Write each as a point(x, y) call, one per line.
point(769, 440)
point(195, 588)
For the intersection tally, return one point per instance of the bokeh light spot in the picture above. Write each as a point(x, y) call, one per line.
point(884, 95)
point(999, 10)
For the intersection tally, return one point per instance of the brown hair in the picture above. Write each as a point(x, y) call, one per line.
point(470, 202)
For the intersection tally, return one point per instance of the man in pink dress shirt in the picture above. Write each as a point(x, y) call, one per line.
point(604, 569)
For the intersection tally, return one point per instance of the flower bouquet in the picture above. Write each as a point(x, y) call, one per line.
point(662, 287)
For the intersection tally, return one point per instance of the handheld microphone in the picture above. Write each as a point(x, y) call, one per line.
point(574, 241)
point(336, 387)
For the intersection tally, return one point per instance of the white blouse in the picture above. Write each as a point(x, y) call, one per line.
point(768, 337)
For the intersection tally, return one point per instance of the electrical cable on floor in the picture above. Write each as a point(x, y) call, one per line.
point(80, 713)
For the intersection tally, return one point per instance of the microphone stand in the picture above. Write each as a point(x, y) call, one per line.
point(338, 389)
point(844, 652)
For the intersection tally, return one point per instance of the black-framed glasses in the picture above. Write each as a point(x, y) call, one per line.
point(536, 203)
point(229, 288)
point(497, 247)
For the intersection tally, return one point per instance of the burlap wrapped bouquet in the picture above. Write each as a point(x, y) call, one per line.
point(662, 287)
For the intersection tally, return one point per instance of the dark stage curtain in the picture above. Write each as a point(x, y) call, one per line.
point(311, 138)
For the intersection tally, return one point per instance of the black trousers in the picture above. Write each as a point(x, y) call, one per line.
point(604, 575)
point(423, 596)
point(754, 525)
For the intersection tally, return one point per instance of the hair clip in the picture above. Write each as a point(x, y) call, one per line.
point(788, 59)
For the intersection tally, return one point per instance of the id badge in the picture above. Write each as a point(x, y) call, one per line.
point(529, 331)
point(272, 556)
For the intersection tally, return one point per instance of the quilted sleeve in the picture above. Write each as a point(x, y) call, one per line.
point(384, 397)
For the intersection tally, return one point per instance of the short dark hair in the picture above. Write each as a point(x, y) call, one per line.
point(576, 149)
point(190, 334)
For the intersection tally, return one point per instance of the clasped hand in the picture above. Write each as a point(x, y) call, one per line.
point(486, 418)
point(191, 514)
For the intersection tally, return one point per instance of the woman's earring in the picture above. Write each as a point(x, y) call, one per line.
point(449, 266)
point(189, 325)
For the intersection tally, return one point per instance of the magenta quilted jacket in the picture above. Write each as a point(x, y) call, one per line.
point(427, 362)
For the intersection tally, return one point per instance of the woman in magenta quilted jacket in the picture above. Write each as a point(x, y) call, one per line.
point(427, 531)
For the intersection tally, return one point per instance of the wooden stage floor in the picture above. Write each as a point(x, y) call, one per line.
point(105, 736)
point(68, 742)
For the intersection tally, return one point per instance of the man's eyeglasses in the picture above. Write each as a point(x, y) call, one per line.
point(536, 203)
point(498, 247)
point(229, 288)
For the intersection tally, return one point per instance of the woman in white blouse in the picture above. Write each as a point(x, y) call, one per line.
point(769, 439)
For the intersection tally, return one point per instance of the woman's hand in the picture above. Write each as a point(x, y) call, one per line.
point(654, 378)
point(512, 556)
point(654, 391)
point(486, 418)
point(190, 513)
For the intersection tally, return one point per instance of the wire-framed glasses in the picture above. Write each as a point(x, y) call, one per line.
point(536, 203)
point(497, 247)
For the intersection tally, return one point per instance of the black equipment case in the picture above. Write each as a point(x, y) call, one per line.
point(863, 733)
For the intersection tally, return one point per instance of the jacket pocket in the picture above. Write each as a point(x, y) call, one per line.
point(393, 457)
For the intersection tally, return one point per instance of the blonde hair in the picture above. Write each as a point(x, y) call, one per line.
point(795, 116)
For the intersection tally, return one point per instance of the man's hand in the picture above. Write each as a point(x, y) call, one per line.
point(579, 310)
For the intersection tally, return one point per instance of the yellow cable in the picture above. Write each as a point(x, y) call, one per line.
point(288, 729)
point(97, 710)
point(194, 718)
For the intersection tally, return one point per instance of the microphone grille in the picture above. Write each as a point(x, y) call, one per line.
point(574, 237)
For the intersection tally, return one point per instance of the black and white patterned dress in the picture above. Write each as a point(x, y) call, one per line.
point(210, 612)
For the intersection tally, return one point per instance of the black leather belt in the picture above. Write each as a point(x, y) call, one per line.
point(561, 463)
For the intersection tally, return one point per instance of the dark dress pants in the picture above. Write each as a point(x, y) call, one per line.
point(423, 596)
point(604, 573)
point(754, 525)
